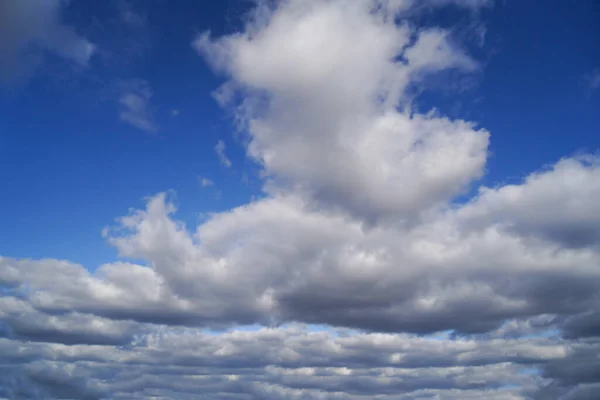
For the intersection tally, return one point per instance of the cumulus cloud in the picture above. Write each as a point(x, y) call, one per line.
point(331, 132)
point(30, 25)
point(135, 107)
point(495, 297)
point(571, 186)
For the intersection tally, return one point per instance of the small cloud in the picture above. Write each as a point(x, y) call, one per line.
point(205, 182)
point(130, 16)
point(220, 149)
point(135, 106)
point(175, 113)
point(593, 80)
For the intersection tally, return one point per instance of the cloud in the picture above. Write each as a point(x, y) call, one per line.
point(26, 323)
point(124, 36)
point(332, 133)
point(30, 25)
point(289, 362)
point(220, 150)
point(243, 267)
point(205, 182)
point(593, 80)
point(130, 16)
point(358, 231)
point(135, 108)
point(531, 208)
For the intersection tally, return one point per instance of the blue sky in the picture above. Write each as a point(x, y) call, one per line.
point(364, 189)
point(72, 165)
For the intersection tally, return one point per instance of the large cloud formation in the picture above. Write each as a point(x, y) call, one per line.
point(423, 298)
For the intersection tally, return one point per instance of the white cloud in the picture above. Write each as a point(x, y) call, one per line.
point(558, 204)
point(331, 132)
point(278, 260)
point(205, 182)
point(357, 230)
point(27, 24)
point(220, 150)
point(135, 105)
point(28, 323)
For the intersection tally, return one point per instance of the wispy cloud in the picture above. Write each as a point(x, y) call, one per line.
point(220, 150)
point(135, 105)
point(130, 16)
point(29, 25)
point(205, 182)
point(592, 80)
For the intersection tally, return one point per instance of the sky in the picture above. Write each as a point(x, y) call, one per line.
point(300, 199)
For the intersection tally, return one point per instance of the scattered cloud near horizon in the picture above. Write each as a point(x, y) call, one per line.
point(205, 182)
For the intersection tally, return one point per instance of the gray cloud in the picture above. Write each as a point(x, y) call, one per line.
point(274, 363)
point(495, 298)
point(22, 321)
point(30, 25)
point(531, 208)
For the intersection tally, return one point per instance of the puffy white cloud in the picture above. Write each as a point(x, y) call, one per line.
point(278, 260)
point(322, 82)
point(559, 204)
point(357, 230)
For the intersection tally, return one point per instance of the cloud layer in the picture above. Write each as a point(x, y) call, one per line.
point(359, 232)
